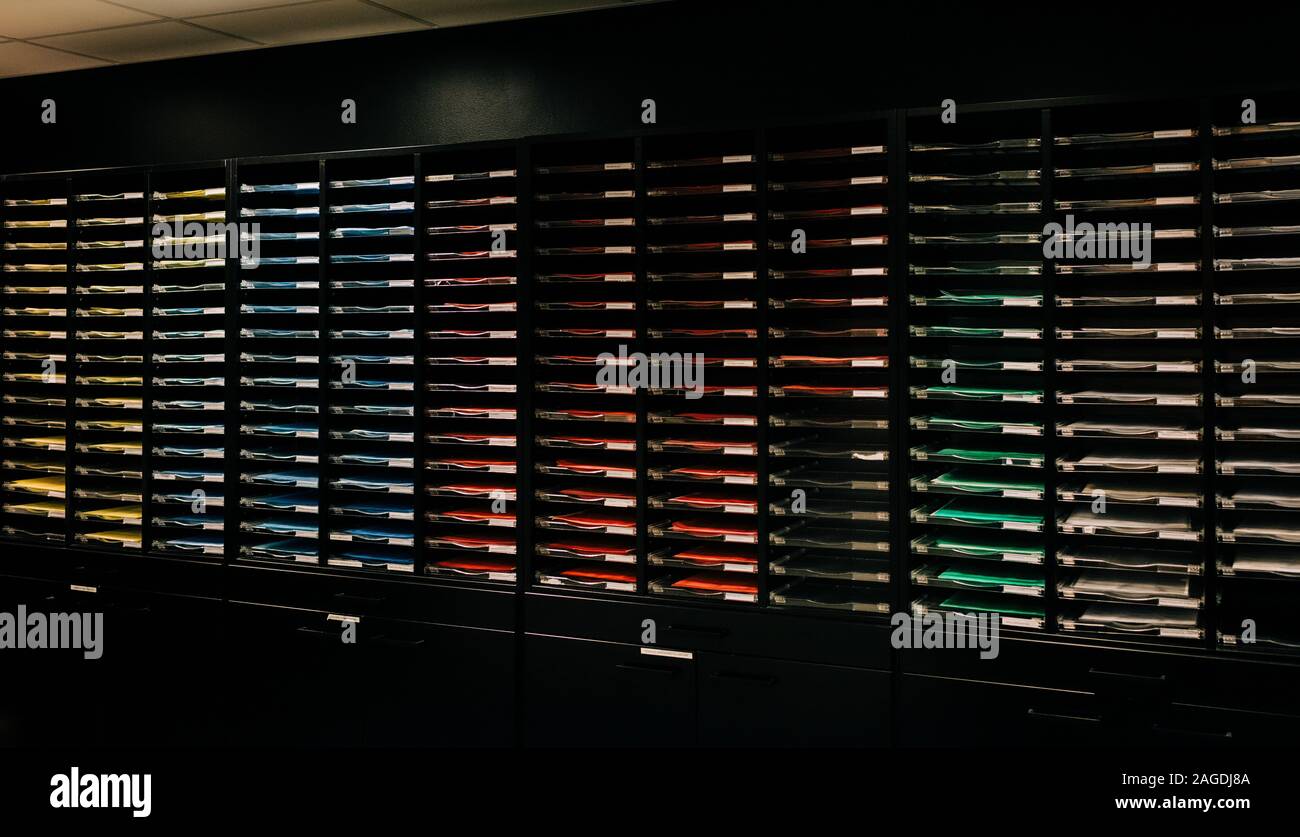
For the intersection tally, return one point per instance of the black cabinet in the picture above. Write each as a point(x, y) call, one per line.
point(745, 701)
point(945, 712)
point(159, 680)
point(639, 695)
point(589, 693)
point(43, 701)
point(307, 677)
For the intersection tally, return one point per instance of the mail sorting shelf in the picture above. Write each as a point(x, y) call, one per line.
point(36, 379)
point(1128, 360)
point(470, 351)
point(109, 326)
point(587, 491)
point(704, 437)
point(1257, 259)
point(828, 367)
point(977, 506)
point(187, 382)
point(279, 361)
point(369, 451)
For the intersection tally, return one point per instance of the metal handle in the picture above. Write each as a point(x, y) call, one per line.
point(1052, 716)
point(1191, 733)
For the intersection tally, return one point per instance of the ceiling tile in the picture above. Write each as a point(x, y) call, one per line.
point(461, 12)
point(190, 8)
point(20, 59)
point(322, 21)
point(54, 17)
point(150, 42)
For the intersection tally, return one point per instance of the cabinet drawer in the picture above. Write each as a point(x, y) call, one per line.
point(746, 701)
point(589, 693)
point(413, 599)
point(942, 712)
point(767, 634)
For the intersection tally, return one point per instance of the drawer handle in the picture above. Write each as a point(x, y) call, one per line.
point(1191, 733)
point(352, 597)
point(741, 677)
point(397, 643)
point(700, 629)
point(303, 629)
point(1052, 716)
point(1120, 675)
point(662, 671)
point(127, 608)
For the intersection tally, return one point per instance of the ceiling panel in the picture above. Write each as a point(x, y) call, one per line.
point(326, 20)
point(150, 42)
point(461, 12)
point(34, 18)
point(46, 36)
point(22, 59)
point(191, 8)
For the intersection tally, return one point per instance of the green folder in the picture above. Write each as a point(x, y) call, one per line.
point(969, 424)
point(958, 298)
point(964, 482)
point(954, 511)
point(982, 392)
point(937, 363)
point(966, 331)
point(985, 549)
point(985, 455)
point(975, 602)
point(989, 579)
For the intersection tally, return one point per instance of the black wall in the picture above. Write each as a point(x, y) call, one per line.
point(704, 62)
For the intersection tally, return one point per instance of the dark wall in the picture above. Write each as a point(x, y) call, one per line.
point(703, 61)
